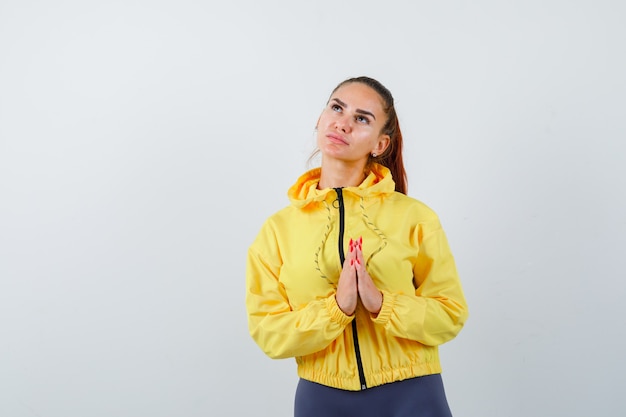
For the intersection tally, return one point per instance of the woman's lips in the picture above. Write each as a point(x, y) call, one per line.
point(336, 138)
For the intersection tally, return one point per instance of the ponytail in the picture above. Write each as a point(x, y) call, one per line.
point(392, 157)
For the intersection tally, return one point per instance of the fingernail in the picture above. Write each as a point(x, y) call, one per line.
point(351, 262)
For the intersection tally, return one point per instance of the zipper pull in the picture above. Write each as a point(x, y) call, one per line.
point(339, 200)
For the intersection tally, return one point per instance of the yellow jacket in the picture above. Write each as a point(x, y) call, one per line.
point(291, 279)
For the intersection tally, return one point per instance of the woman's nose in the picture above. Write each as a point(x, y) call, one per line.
point(343, 123)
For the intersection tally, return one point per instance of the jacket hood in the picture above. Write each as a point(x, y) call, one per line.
point(378, 182)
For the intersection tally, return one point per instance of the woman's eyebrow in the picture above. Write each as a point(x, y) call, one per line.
point(360, 111)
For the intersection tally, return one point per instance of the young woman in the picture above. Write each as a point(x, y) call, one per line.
point(354, 278)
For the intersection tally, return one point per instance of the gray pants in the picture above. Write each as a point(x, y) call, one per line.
point(416, 397)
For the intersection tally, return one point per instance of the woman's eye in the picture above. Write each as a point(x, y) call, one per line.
point(336, 107)
point(362, 119)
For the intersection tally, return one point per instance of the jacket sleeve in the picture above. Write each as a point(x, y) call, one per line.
point(279, 330)
point(437, 310)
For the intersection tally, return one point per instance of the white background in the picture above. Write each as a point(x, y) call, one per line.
point(143, 143)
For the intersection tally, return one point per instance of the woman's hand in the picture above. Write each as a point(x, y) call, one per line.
point(347, 291)
point(370, 295)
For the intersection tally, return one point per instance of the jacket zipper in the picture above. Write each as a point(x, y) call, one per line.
point(342, 257)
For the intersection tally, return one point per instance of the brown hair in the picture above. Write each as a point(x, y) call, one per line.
point(392, 157)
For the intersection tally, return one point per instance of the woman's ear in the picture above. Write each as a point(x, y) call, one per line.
point(381, 145)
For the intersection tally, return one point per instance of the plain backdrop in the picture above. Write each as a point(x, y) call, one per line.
point(143, 143)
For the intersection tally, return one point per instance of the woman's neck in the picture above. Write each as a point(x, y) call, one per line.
point(338, 174)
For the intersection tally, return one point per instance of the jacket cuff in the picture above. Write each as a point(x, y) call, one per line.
point(335, 312)
point(384, 315)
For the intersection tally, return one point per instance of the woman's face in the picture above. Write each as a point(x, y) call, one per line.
point(349, 128)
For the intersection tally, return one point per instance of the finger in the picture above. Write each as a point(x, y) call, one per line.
point(358, 245)
point(355, 264)
point(352, 246)
point(358, 254)
point(354, 267)
point(346, 265)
